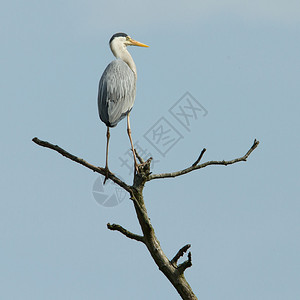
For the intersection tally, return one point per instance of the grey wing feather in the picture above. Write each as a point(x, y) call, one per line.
point(116, 92)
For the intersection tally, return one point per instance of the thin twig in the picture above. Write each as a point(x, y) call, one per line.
point(99, 170)
point(199, 158)
point(209, 163)
point(139, 157)
point(124, 231)
point(180, 253)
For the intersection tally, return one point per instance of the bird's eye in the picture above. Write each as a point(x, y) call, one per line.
point(128, 38)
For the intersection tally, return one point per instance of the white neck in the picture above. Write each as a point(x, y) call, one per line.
point(119, 50)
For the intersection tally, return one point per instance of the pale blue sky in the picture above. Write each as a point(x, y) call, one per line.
point(240, 60)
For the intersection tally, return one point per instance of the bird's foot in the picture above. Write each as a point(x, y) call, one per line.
point(107, 172)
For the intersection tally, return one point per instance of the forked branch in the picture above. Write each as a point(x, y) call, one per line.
point(186, 264)
point(180, 253)
point(195, 165)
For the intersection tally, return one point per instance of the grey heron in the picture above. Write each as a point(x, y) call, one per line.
point(117, 88)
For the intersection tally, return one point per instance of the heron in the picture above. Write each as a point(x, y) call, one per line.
point(117, 89)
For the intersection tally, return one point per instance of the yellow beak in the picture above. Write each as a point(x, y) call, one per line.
point(136, 43)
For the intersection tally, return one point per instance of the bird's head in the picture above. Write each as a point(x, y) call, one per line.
point(121, 41)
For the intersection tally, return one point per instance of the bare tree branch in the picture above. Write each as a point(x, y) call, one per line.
point(99, 170)
point(141, 211)
point(127, 233)
point(209, 163)
point(180, 253)
point(174, 273)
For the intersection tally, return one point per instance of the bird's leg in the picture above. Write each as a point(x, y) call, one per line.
point(106, 161)
point(133, 152)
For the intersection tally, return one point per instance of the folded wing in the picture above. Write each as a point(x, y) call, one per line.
point(117, 88)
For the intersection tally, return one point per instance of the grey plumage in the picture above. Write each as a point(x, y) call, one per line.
point(117, 87)
point(116, 94)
